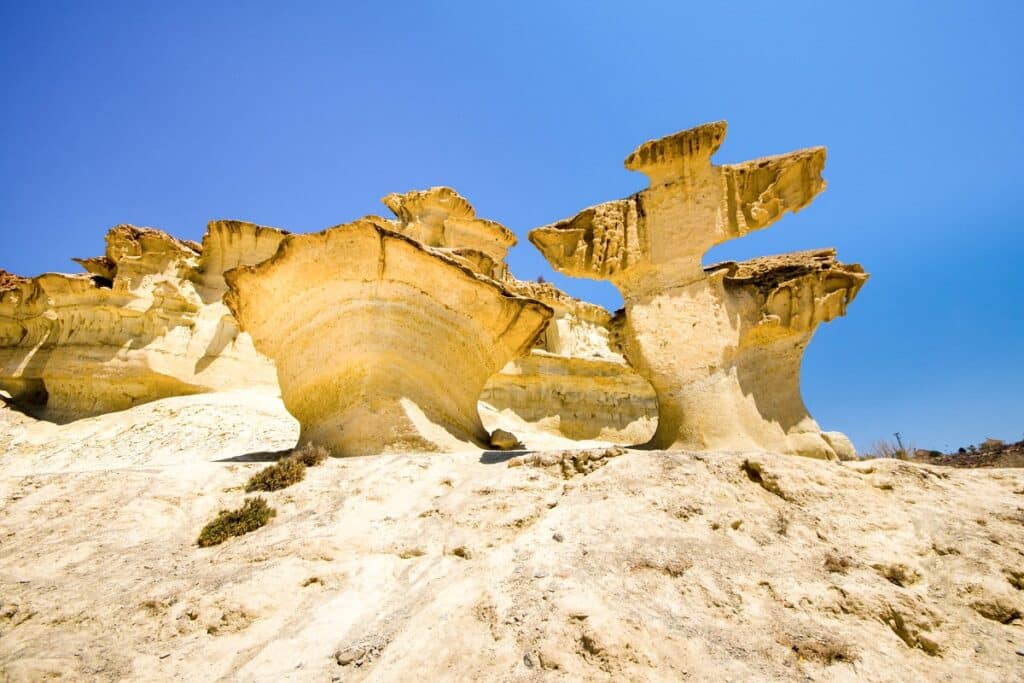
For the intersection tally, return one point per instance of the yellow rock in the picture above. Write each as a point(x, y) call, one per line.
point(381, 343)
point(145, 323)
point(721, 346)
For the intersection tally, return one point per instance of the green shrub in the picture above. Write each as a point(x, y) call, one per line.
point(310, 455)
point(280, 475)
point(250, 517)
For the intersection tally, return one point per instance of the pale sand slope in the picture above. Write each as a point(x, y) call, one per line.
point(658, 566)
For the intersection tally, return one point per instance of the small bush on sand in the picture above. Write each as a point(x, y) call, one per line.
point(251, 516)
point(280, 475)
point(310, 455)
point(889, 449)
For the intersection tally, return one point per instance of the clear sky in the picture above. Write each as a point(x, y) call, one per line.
point(302, 115)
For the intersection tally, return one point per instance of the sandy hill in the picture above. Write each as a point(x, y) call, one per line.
point(600, 565)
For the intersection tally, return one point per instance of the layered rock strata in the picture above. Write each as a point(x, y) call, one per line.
point(145, 322)
point(444, 220)
point(572, 383)
point(721, 347)
point(382, 343)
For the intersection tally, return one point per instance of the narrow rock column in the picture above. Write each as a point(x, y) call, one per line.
point(701, 338)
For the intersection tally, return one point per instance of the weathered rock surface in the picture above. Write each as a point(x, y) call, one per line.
point(732, 380)
point(381, 344)
point(441, 218)
point(148, 322)
point(572, 383)
point(653, 566)
point(145, 323)
point(230, 244)
point(579, 398)
point(721, 347)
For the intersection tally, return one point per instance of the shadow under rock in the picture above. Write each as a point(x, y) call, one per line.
point(259, 456)
point(495, 457)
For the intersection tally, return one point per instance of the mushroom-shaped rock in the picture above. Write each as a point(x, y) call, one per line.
point(718, 347)
point(727, 366)
point(381, 344)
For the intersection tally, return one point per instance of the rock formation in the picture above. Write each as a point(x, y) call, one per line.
point(145, 322)
point(721, 346)
point(442, 219)
point(382, 342)
point(572, 383)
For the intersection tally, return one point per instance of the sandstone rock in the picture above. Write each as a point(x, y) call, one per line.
point(441, 218)
point(841, 444)
point(381, 343)
point(504, 440)
point(580, 398)
point(229, 244)
point(732, 380)
point(573, 383)
point(720, 346)
point(642, 586)
point(136, 328)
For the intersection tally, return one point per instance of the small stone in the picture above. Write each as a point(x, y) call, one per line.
point(549, 659)
point(528, 660)
point(504, 440)
point(558, 537)
point(348, 655)
point(1021, 652)
point(539, 574)
point(463, 552)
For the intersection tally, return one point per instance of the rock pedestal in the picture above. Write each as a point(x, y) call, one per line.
point(722, 346)
point(382, 344)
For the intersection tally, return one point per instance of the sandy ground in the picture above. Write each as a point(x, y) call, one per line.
point(635, 566)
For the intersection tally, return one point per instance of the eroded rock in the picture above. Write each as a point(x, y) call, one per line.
point(382, 344)
point(721, 346)
point(572, 383)
point(441, 218)
point(139, 326)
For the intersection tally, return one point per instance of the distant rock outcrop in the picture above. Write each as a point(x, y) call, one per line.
point(145, 322)
point(721, 347)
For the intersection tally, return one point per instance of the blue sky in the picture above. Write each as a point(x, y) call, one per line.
point(302, 115)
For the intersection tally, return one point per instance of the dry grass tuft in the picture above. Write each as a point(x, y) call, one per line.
point(251, 516)
point(890, 449)
point(819, 648)
point(310, 455)
point(280, 475)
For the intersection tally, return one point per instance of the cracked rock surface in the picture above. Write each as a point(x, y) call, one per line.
point(656, 565)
